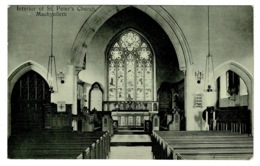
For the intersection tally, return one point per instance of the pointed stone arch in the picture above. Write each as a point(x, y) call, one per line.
point(23, 68)
point(158, 13)
point(245, 76)
point(15, 76)
point(238, 69)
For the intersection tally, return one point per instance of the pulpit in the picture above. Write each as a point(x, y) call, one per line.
point(58, 120)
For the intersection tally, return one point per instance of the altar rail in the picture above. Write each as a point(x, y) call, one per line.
point(130, 105)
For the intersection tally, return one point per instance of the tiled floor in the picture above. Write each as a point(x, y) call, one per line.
point(131, 138)
point(131, 152)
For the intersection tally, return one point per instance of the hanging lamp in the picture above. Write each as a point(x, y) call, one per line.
point(51, 74)
point(209, 67)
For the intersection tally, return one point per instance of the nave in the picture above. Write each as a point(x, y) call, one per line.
point(166, 145)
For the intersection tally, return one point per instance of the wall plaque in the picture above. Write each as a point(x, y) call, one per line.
point(197, 100)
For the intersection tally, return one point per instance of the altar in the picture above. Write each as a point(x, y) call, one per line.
point(131, 114)
point(130, 118)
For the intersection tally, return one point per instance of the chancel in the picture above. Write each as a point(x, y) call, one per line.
point(134, 82)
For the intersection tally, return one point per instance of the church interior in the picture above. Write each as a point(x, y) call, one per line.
point(130, 82)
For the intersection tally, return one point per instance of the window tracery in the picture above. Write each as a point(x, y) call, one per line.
point(130, 69)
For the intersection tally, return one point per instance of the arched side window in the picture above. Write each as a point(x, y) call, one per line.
point(130, 68)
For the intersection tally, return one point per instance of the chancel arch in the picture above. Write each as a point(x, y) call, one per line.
point(131, 55)
point(158, 13)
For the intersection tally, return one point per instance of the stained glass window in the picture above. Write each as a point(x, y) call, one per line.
point(130, 69)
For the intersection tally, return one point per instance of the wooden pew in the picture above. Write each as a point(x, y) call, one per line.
point(73, 145)
point(52, 151)
point(201, 145)
point(192, 140)
point(213, 150)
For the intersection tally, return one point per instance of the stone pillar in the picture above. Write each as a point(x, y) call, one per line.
point(189, 90)
point(74, 105)
point(75, 95)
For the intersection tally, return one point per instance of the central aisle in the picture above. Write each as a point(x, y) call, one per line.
point(131, 152)
point(131, 146)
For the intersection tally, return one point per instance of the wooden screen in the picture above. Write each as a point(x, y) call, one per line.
point(28, 96)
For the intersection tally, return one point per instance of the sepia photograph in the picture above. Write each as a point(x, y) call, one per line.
point(139, 82)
